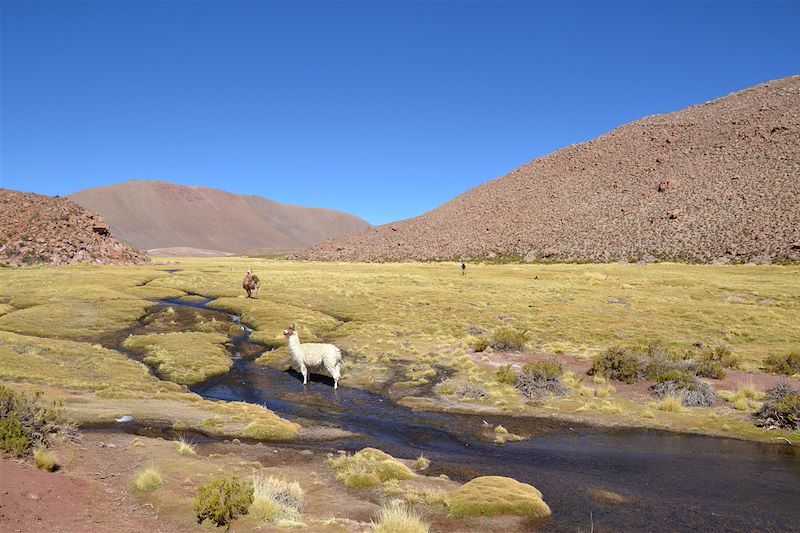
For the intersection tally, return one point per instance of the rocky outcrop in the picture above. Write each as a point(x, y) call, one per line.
point(718, 182)
point(39, 229)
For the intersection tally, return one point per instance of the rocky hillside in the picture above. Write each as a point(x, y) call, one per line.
point(40, 229)
point(156, 214)
point(716, 182)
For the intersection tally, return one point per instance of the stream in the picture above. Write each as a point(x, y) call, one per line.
point(674, 481)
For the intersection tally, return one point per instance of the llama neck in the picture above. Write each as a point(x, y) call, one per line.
point(294, 345)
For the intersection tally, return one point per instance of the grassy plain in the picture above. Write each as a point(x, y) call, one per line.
point(398, 323)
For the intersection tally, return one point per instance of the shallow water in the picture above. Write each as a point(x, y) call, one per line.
point(675, 481)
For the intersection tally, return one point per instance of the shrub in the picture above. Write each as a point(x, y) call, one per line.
point(541, 379)
point(496, 495)
point(710, 369)
point(45, 459)
point(505, 374)
point(620, 364)
point(689, 390)
point(509, 340)
point(275, 499)
point(781, 408)
point(788, 364)
point(149, 479)
point(399, 519)
point(39, 420)
point(549, 369)
point(658, 360)
point(721, 354)
point(468, 391)
point(222, 501)
point(14, 438)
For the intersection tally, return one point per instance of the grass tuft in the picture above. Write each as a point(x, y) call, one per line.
point(184, 447)
point(276, 500)
point(149, 479)
point(45, 459)
point(399, 519)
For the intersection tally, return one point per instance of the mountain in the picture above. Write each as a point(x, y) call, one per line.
point(716, 182)
point(202, 221)
point(40, 229)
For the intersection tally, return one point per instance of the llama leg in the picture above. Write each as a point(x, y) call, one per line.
point(333, 370)
point(304, 371)
point(335, 373)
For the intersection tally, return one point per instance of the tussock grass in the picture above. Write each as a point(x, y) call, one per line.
point(148, 479)
point(422, 463)
point(45, 459)
point(746, 398)
point(496, 495)
point(276, 500)
point(671, 404)
point(368, 468)
point(399, 519)
point(184, 447)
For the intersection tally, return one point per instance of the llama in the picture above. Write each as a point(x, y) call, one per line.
point(251, 283)
point(314, 354)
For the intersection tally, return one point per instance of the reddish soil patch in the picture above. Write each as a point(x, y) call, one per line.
point(35, 501)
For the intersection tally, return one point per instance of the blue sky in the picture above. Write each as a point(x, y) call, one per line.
point(381, 109)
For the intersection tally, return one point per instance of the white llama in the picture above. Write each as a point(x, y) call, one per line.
point(314, 354)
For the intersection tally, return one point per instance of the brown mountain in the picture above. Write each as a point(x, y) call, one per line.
point(197, 220)
point(715, 182)
point(40, 229)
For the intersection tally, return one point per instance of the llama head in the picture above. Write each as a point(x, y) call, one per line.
point(249, 271)
point(291, 330)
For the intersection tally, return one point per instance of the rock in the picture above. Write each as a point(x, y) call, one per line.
point(39, 229)
point(549, 252)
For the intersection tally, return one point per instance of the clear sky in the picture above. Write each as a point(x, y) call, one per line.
point(381, 109)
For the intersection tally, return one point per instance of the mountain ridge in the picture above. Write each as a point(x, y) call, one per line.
point(715, 182)
point(158, 214)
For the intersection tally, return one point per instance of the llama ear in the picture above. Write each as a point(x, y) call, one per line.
point(294, 326)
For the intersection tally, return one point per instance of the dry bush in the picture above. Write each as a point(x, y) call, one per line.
point(690, 391)
point(26, 421)
point(621, 364)
point(540, 380)
point(781, 408)
point(788, 364)
point(509, 340)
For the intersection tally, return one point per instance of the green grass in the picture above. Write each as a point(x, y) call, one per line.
point(187, 358)
point(386, 317)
